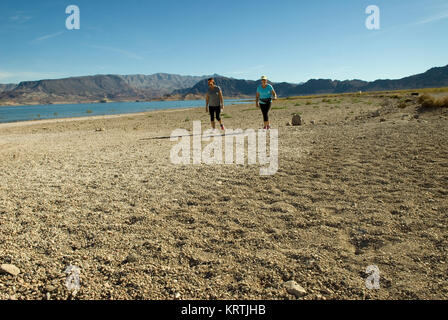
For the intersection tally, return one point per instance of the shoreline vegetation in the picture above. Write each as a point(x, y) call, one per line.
point(436, 90)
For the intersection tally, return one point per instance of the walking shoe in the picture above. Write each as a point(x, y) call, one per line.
point(268, 128)
point(222, 127)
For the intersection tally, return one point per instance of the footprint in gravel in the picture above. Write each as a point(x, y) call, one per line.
point(283, 207)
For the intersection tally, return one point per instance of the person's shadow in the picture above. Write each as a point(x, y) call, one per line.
point(191, 135)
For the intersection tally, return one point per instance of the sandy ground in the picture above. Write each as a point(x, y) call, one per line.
point(367, 184)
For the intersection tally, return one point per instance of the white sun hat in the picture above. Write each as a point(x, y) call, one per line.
point(264, 78)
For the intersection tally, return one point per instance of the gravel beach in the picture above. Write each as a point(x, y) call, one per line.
point(364, 181)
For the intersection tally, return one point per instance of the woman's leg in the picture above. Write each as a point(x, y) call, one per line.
point(218, 117)
point(265, 110)
point(218, 114)
point(212, 116)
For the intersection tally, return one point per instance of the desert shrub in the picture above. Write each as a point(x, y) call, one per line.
point(279, 108)
point(402, 105)
point(429, 102)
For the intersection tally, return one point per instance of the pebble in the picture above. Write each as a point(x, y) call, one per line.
point(10, 268)
point(297, 120)
point(49, 288)
point(177, 295)
point(132, 258)
point(295, 289)
point(328, 291)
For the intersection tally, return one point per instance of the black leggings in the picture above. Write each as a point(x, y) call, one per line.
point(213, 111)
point(265, 107)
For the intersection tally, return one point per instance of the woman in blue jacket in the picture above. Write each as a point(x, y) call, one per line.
point(265, 95)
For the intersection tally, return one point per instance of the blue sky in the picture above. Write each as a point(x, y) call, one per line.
point(288, 40)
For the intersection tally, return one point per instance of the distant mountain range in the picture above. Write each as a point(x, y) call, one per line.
point(7, 87)
point(435, 77)
point(160, 84)
point(95, 88)
point(169, 86)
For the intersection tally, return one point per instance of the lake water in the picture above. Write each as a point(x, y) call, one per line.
point(56, 111)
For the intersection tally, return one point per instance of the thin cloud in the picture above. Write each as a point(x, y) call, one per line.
point(434, 18)
point(48, 36)
point(17, 76)
point(405, 27)
point(19, 18)
point(126, 53)
point(248, 71)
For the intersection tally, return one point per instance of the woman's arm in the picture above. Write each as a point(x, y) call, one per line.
point(206, 102)
point(256, 100)
point(274, 94)
point(221, 98)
